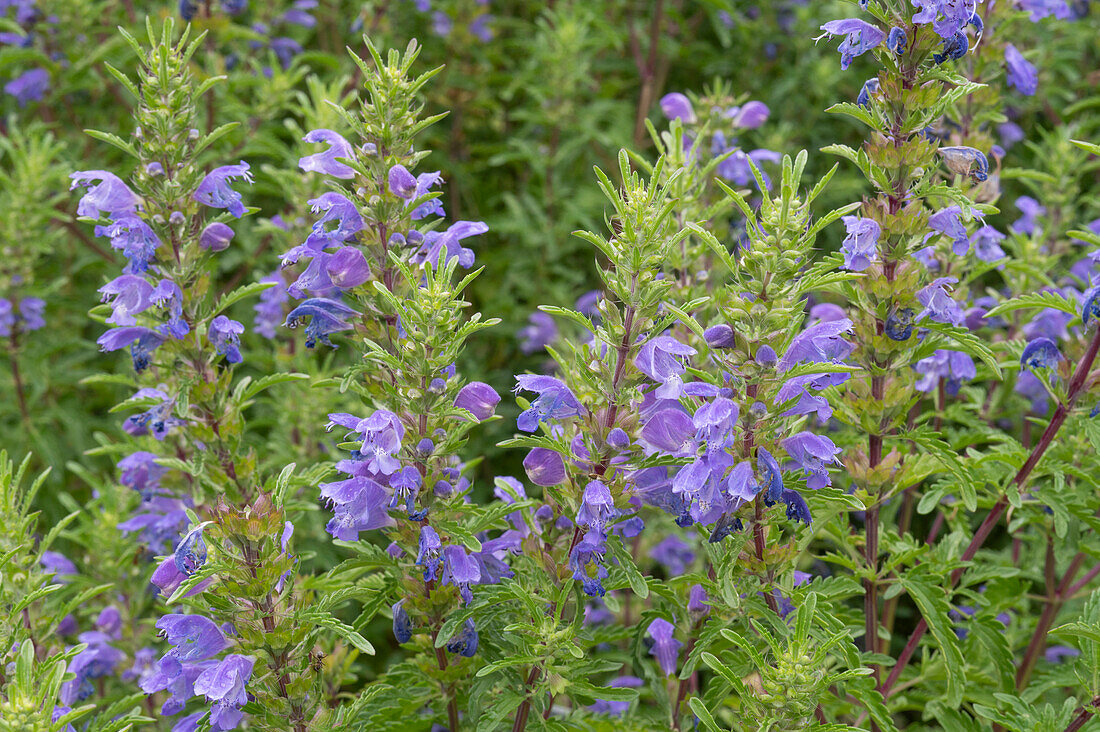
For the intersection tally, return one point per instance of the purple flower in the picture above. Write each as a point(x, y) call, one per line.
point(741, 483)
point(133, 237)
point(190, 553)
point(860, 246)
point(897, 40)
point(820, 343)
point(954, 366)
point(346, 268)
point(616, 708)
point(339, 222)
point(436, 243)
point(223, 685)
point(1030, 386)
point(544, 467)
point(799, 388)
point(479, 399)
point(554, 401)
point(326, 317)
point(131, 295)
point(285, 49)
point(141, 472)
point(768, 468)
point(1040, 353)
point(715, 422)
point(159, 519)
point(698, 604)
point(167, 295)
point(540, 332)
point(325, 162)
point(871, 86)
point(402, 625)
point(428, 556)
point(1090, 307)
point(954, 48)
point(194, 637)
point(1031, 210)
point(736, 167)
point(157, 420)
point(586, 561)
point(433, 206)
point(110, 195)
point(358, 504)
point(938, 305)
point(269, 310)
point(465, 641)
point(967, 161)
point(812, 453)
point(948, 223)
point(665, 648)
point(216, 237)
point(678, 106)
point(674, 553)
point(720, 336)
point(662, 359)
point(1041, 9)
point(986, 242)
point(142, 342)
point(749, 116)
point(459, 570)
point(58, 565)
point(597, 506)
point(405, 484)
point(860, 37)
point(797, 508)
point(948, 17)
point(214, 190)
point(1020, 72)
point(702, 485)
point(1057, 654)
point(30, 86)
point(99, 659)
point(401, 182)
point(225, 335)
point(672, 431)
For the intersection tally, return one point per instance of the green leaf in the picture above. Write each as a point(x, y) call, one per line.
point(967, 342)
point(239, 294)
point(934, 608)
point(325, 620)
point(271, 380)
point(1036, 300)
point(703, 714)
point(626, 563)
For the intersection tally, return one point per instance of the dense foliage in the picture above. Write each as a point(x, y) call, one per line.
point(794, 304)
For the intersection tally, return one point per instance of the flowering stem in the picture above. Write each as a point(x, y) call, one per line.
point(278, 666)
point(17, 379)
point(1076, 386)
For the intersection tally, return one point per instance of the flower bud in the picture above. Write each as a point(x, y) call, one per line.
point(216, 237)
point(402, 182)
point(544, 467)
point(348, 268)
point(479, 399)
point(719, 336)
